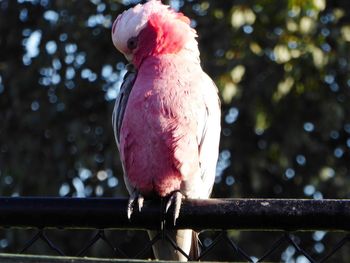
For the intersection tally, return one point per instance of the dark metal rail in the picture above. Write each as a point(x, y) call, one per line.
point(102, 213)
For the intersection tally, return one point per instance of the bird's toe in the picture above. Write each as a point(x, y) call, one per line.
point(140, 200)
point(135, 196)
point(176, 200)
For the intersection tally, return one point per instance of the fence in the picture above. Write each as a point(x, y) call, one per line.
point(282, 221)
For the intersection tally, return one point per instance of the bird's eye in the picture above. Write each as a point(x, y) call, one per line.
point(132, 43)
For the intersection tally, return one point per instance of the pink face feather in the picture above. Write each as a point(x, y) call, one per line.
point(152, 29)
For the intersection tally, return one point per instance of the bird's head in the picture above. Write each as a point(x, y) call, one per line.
point(152, 29)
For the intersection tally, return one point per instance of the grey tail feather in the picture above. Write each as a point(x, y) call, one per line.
point(185, 239)
point(195, 248)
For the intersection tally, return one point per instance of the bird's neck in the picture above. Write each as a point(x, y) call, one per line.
point(161, 37)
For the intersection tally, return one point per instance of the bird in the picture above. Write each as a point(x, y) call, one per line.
point(166, 118)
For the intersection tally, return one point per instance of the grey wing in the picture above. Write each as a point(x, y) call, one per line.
point(118, 113)
point(209, 136)
point(121, 102)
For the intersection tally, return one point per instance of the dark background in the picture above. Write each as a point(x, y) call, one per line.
point(282, 68)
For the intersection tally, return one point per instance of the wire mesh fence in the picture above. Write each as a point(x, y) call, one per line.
point(41, 226)
point(215, 245)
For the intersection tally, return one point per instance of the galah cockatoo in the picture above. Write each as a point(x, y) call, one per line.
point(166, 118)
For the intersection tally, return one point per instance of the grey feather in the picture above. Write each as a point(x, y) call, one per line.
point(119, 110)
point(122, 100)
point(185, 239)
point(209, 137)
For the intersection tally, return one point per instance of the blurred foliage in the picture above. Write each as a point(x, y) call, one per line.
point(282, 68)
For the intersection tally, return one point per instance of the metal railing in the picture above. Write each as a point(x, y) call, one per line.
point(101, 215)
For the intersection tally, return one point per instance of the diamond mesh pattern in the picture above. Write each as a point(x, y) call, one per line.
point(285, 240)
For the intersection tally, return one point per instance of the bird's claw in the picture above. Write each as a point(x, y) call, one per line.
point(176, 200)
point(132, 200)
point(140, 202)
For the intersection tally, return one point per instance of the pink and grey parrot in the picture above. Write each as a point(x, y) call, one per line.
point(166, 118)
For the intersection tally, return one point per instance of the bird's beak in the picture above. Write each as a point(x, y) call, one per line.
point(129, 57)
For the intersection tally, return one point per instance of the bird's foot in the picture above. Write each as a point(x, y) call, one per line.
point(176, 200)
point(135, 197)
